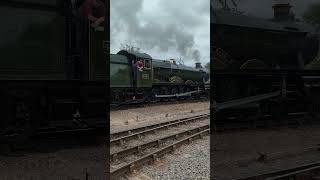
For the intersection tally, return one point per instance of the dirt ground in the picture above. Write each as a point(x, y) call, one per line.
point(66, 164)
point(125, 119)
point(232, 151)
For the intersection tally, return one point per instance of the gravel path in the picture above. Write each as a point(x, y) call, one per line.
point(159, 134)
point(142, 116)
point(240, 145)
point(150, 138)
point(189, 162)
point(236, 171)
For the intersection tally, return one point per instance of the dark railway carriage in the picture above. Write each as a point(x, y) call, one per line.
point(51, 79)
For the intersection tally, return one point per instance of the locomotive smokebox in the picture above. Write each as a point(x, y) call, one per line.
point(198, 65)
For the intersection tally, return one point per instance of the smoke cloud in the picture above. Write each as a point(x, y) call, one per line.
point(161, 27)
point(196, 55)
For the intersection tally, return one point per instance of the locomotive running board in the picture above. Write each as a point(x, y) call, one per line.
point(178, 95)
point(246, 100)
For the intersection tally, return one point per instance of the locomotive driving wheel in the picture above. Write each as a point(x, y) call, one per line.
point(24, 111)
point(174, 91)
point(155, 91)
point(164, 91)
point(117, 97)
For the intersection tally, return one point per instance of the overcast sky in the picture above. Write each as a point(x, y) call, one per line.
point(263, 8)
point(163, 28)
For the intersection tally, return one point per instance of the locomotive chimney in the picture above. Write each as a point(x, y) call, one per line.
point(173, 61)
point(198, 65)
point(282, 11)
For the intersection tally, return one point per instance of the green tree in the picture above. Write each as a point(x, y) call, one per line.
point(130, 47)
point(312, 14)
point(207, 66)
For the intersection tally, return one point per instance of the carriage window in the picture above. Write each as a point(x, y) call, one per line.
point(147, 63)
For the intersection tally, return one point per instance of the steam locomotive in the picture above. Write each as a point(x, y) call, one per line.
point(255, 60)
point(274, 45)
point(50, 81)
point(156, 80)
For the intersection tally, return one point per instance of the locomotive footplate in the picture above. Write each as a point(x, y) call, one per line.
point(246, 100)
point(274, 73)
point(179, 95)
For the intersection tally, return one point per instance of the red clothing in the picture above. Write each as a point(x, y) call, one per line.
point(88, 7)
point(140, 64)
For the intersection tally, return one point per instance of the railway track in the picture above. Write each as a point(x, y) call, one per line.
point(117, 136)
point(115, 107)
point(307, 171)
point(129, 150)
point(267, 121)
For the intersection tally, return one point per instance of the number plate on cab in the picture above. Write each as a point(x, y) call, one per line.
point(145, 76)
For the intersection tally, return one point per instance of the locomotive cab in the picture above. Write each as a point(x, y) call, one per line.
point(141, 72)
point(130, 76)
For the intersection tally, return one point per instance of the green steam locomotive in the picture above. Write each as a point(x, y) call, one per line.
point(243, 43)
point(155, 80)
point(262, 67)
point(49, 80)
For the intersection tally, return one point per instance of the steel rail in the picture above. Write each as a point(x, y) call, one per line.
point(127, 134)
point(284, 173)
point(297, 172)
point(130, 167)
point(266, 73)
point(137, 149)
point(127, 105)
point(294, 118)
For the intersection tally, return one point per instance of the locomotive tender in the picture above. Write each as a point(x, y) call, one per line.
point(50, 81)
point(158, 79)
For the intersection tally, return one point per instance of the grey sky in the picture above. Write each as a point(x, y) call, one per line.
point(163, 28)
point(263, 8)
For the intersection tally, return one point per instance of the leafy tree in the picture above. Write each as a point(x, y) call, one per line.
point(312, 14)
point(130, 47)
point(207, 66)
